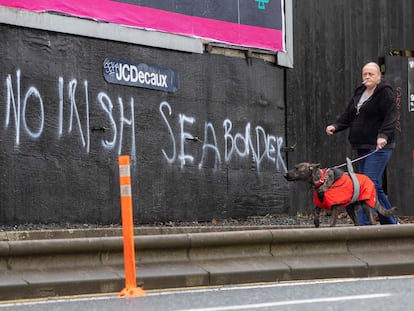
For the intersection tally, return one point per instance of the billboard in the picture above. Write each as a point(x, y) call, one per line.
point(247, 23)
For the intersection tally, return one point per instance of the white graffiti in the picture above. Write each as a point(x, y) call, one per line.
point(131, 122)
point(19, 111)
point(171, 159)
point(74, 113)
point(265, 147)
point(108, 107)
point(73, 119)
point(209, 128)
point(182, 156)
point(118, 128)
point(16, 110)
point(33, 92)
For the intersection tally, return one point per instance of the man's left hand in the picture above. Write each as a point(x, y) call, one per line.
point(381, 142)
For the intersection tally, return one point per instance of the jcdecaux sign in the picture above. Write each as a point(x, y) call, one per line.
point(140, 75)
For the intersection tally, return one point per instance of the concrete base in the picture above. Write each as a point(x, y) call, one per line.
point(55, 267)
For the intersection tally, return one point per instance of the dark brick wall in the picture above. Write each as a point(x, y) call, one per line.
point(63, 127)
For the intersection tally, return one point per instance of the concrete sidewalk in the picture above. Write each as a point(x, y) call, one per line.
point(43, 264)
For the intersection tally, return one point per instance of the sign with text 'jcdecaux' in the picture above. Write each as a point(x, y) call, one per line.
point(140, 75)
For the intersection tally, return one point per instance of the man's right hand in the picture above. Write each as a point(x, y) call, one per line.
point(330, 129)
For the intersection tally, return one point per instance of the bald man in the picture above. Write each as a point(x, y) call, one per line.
point(371, 116)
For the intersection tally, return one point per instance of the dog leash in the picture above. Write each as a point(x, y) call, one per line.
point(357, 159)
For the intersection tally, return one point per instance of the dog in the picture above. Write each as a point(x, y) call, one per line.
point(333, 189)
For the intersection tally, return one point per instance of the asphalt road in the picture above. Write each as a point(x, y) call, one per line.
point(393, 293)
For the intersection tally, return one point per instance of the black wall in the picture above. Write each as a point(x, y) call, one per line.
point(332, 41)
point(400, 173)
point(63, 127)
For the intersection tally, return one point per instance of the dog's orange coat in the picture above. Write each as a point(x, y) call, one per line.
point(340, 193)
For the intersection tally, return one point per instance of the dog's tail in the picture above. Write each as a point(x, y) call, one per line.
point(383, 211)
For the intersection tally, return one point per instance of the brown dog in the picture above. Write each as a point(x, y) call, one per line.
point(334, 190)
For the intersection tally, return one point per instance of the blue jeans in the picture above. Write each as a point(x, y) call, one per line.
point(373, 166)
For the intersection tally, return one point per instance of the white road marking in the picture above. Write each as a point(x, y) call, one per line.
point(289, 302)
point(269, 285)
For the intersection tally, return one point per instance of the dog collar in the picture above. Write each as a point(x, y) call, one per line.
point(322, 179)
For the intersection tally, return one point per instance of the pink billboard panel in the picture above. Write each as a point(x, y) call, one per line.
point(247, 23)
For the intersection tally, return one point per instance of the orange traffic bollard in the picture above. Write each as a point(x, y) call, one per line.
point(131, 289)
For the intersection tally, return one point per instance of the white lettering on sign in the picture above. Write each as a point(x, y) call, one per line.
point(130, 73)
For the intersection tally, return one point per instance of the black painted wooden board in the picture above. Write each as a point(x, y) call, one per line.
point(59, 150)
